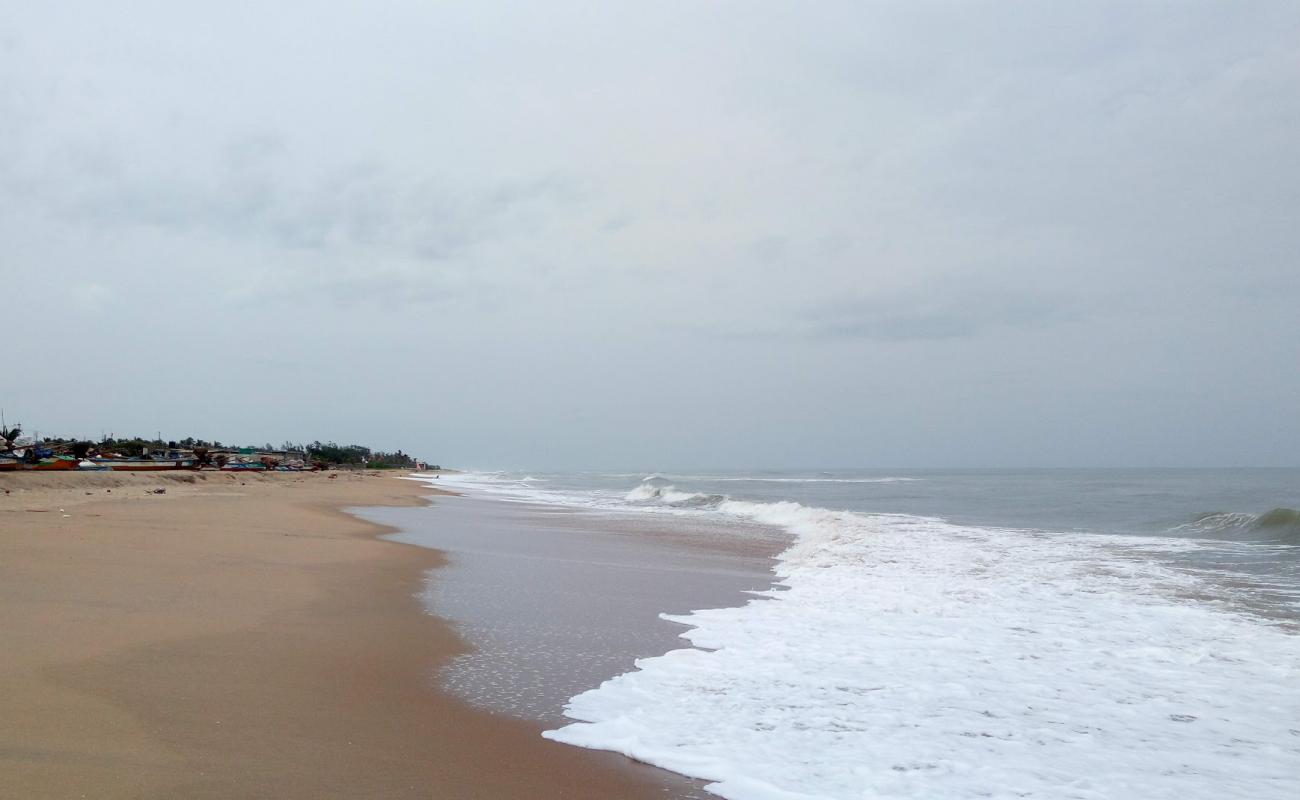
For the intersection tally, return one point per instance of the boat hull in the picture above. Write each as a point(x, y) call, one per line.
point(47, 465)
point(145, 466)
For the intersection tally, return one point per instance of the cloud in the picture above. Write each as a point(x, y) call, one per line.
point(90, 297)
point(249, 196)
point(935, 316)
point(595, 197)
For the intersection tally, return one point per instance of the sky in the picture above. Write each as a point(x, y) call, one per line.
point(655, 235)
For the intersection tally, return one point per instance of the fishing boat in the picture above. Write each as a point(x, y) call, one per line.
point(7, 464)
point(144, 464)
point(50, 463)
point(244, 466)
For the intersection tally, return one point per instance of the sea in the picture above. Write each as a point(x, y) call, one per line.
point(1050, 633)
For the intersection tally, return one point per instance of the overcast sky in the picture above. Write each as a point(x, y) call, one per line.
point(655, 235)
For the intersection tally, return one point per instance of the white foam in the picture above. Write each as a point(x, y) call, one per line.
point(911, 658)
point(810, 480)
point(664, 494)
point(504, 487)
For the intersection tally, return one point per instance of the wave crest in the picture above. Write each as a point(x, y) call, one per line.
point(667, 494)
point(1277, 525)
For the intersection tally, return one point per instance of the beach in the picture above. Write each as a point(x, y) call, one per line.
point(243, 636)
point(358, 634)
point(554, 601)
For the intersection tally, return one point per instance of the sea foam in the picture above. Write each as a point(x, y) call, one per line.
point(906, 657)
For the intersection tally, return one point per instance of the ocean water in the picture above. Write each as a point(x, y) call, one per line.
point(1052, 633)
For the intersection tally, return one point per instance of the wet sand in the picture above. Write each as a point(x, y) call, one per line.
point(555, 601)
point(241, 637)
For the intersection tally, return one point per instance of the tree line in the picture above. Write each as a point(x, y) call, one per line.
point(317, 452)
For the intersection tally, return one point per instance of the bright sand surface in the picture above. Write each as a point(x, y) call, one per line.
point(242, 637)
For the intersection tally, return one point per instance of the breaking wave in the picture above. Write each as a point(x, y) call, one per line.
point(908, 657)
point(657, 489)
point(1278, 525)
point(811, 480)
point(666, 493)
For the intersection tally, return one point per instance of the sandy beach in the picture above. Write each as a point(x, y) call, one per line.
point(241, 637)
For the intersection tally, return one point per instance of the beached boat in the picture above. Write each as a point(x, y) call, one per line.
point(8, 464)
point(144, 464)
point(51, 463)
point(240, 466)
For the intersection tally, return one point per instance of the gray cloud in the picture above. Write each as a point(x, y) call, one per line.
point(244, 196)
point(939, 315)
point(546, 217)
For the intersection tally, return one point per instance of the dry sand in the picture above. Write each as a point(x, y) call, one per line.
point(241, 637)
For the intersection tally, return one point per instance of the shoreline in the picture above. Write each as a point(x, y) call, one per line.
point(245, 637)
point(555, 601)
